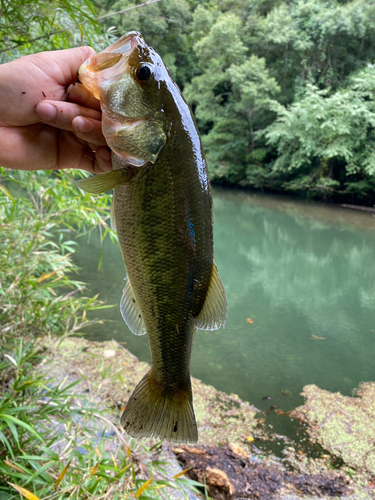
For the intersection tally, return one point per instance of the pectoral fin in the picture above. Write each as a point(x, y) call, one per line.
point(113, 218)
point(105, 182)
point(215, 309)
point(131, 312)
point(104, 60)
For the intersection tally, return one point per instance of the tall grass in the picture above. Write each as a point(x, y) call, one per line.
point(48, 447)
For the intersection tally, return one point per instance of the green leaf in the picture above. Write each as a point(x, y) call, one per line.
point(10, 418)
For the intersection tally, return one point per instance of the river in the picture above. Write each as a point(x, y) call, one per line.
point(300, 281)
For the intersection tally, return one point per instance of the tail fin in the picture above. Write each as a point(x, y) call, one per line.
point(153, 412)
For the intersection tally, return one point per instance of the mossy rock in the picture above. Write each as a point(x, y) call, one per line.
point(343, 425)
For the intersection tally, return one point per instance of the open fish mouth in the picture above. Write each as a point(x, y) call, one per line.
point(132, 130)
point(110, 64)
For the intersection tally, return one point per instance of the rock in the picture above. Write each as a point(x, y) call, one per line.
point(342, 425)
point(109, 353)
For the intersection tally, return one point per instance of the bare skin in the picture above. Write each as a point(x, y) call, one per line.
point(47, 119)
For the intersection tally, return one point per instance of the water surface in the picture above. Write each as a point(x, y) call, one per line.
point(293, 271)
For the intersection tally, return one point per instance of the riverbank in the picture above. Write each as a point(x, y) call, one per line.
point(228, 457)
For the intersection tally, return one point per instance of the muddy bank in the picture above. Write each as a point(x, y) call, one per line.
point(227, 458)
point(230, 472)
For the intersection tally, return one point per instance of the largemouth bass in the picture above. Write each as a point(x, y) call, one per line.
point(162, 213)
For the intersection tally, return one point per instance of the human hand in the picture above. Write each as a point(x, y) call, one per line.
point(39, 128)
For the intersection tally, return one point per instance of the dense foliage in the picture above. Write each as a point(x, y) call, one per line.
point(49, 443)
point(282, 91)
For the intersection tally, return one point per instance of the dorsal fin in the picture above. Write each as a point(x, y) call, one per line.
point(131, 312)
point(215, 309)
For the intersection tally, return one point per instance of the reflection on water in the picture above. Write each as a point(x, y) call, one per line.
point(299, 271)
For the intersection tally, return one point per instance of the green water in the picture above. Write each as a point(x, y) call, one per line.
point(297, 270)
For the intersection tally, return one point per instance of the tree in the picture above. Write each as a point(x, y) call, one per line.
point(327, 141)
point(230, 96)
point(28, 26)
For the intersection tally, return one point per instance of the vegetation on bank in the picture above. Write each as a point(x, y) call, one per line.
point(283, 92)
point(47, 446)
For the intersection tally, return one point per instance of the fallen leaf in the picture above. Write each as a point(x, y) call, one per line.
point(46, 276)
point(94, 469)
point(315, 337)
point(26, 493)
point(142, 488)
point(181, 473)
point(62, 474)
point(13, 466)
point(281, 412)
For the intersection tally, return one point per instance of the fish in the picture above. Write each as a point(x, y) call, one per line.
point(162, 214)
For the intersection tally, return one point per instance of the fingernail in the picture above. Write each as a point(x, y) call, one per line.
point(46, 111)
point(83, 125)
point(105, 154)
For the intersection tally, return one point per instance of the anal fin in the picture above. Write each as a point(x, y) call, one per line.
point(215, 308)
point(112, 217)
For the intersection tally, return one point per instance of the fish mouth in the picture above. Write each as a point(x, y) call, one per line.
point(110, 64)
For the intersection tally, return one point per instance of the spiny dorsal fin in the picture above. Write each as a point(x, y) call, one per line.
point(105, 182)
point(131, 312)
point(215, 309)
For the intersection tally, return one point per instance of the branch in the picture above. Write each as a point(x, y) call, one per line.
point(73, 26)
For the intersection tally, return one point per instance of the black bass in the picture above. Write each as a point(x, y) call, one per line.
point(162, 213)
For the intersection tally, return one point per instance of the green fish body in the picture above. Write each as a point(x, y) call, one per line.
point(162, 213)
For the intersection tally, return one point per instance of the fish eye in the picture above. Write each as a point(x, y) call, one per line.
point(143, 72)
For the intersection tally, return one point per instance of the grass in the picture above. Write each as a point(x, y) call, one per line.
point(50, 447)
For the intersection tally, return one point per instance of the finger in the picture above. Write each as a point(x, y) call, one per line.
point(62, 114)
point(80, 95)
point(89, 130)
point(103, 159)
point(63, 65)
point(96, 163)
